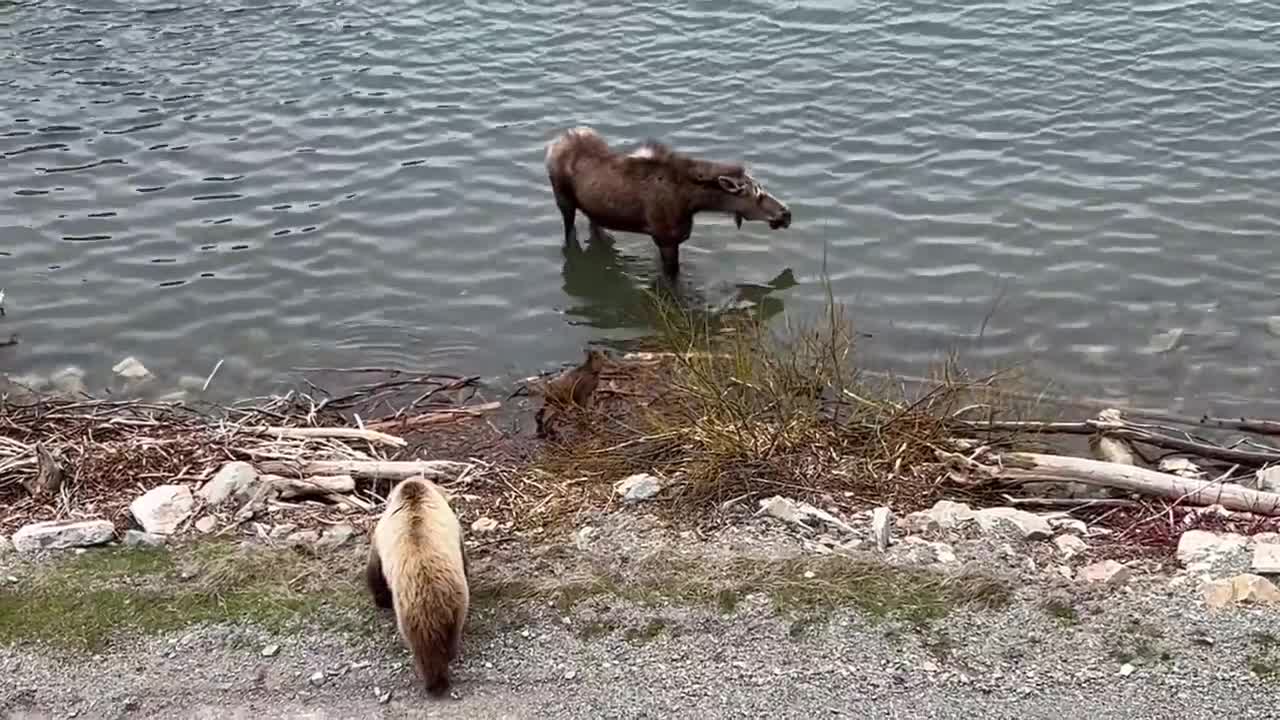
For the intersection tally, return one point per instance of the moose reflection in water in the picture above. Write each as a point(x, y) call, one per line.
point(654, 190)
point(616, 290)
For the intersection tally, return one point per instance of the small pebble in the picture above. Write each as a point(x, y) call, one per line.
point(270, 650)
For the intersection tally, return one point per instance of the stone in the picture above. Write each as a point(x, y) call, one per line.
point(1164, 342)
point(206, 524)
point(337, 536)
point(137, 538)
point(1070, 545)
point(634, 488)
point(1266, 558)
point(191, 383)
point(938, 552)
point(1112, 449)
point(131, 369)
point(69, 382)
point(60, 534)
point(944, 515)
point(1069, 525)
point(1181, 467)
point(270, 650)
point(317, 678)
point(799, 513)
point(1268, 479)
point(1243, 588)
point(281, 531)
point(1127, 669)
point(163, 508)
point(1028, 525)
point(6, 547)
point(1201, 549)
point(305, 537)
point(881, 526)
point(484, 525)
point(233, 481)
point(177, 397)
point(1107, 572)
point(1273, 325)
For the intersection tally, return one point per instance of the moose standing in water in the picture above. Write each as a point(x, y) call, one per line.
point(654, 190)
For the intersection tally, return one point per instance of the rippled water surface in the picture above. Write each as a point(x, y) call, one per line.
point(325, 182)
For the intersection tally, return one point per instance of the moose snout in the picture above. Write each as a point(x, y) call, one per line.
point(782, 219)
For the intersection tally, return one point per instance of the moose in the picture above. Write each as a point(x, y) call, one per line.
point(654, 190)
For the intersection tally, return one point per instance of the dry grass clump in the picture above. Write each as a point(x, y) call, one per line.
point(735, 408)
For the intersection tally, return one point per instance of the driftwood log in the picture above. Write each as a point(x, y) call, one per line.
point(374, 469)
point(303, 433)
point(1022, 467)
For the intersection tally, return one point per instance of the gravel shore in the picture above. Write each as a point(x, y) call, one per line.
point(1148, 650)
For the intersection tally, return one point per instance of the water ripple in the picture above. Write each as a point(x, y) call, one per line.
point(335, 182)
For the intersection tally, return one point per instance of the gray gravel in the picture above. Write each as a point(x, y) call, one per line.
point(610, 658)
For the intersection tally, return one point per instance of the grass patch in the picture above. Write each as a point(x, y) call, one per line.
point(797, 588)
point(1265, 663)
point(647, 632)
point(1139, 643)
point(740, 407)
point(82, 601)
point(1059, 608)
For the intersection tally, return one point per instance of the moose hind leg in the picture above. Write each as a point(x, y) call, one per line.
point(568, 210)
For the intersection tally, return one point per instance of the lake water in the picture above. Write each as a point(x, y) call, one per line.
point(325, 182)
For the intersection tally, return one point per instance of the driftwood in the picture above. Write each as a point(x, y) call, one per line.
point(375, 469)
point(1138, 433)
point(304, 433)
point(1038, 467)
point(435, 417)
point(323, 485)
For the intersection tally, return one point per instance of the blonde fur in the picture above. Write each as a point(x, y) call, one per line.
point(418, 566)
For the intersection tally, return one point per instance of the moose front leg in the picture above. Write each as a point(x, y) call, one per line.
point(670, 259)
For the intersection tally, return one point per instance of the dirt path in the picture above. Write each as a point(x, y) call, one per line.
point(633, 620)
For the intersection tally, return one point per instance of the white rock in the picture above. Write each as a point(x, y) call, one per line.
point(1107, 572)
point(270, 650)
point(1268, 479)
point(206, 524)
point(234, 480)
point(175, 397)
point(281, 531)
point(1070, 545)
point(634, 488)
point(305, 537)
point(317, 678)
point(1028, 525)
point(1161, 343)
point(161, 509)
point(1266, 559)
point(940, 551)
point(944, 515)
point(799, 513)
point(1181, 467)
point(1127, 669)
point(1069, 525)
point(881, 527)
point(484, 525)
point(1244, 588)
point(571, 674)
point(130, 369)
point(137, 538)
point(69, 381)
point(1273, 325)
point(337, 536)
point(1200, 549)
point(59, 534)
point(191, 383)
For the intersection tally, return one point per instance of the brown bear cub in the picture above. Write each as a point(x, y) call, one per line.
point(417, 566)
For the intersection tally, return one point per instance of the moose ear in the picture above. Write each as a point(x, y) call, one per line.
point(730, 185)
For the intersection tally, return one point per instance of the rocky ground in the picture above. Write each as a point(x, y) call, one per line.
point(991, 615)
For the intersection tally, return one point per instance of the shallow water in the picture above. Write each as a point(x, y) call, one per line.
point(320, 182)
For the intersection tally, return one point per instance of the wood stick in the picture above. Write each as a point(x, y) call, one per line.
point(289, 488)
point(376, 469)
point(1021, 466)
point(434, 417)
point(327, 432)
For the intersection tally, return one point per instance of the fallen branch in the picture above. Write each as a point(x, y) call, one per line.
point(323, 485)
point(374, 469)
point(49, 474)
point(434, 418)
point(1024, 467)
point(303, 433)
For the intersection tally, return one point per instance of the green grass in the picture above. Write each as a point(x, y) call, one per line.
point(81, 601)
